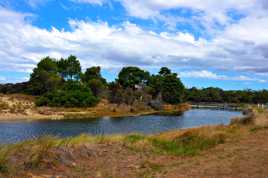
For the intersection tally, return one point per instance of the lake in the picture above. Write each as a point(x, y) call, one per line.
point(16, 131)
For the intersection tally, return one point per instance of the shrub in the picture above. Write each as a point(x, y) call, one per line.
point(73, 94)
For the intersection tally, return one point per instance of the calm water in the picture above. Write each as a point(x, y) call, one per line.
point(11, 132)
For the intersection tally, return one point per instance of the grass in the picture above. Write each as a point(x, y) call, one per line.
point(3, 161)
point(188, 144)
point(134, 138)
point(35, 154)
point(39, 149)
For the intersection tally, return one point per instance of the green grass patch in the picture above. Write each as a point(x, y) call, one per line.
point(3, 161)
point(134, 138)
point(188, 145)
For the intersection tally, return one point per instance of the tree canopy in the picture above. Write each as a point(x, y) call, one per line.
point(62, 83)
point(167, 85)
point(131, 76)
point(69, 68)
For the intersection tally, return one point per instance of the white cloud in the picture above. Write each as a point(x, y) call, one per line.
point(149, 8)
point(240, 47)
point(211, 75)
point(207, 13)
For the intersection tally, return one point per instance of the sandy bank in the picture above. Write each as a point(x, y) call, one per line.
point(22, 107)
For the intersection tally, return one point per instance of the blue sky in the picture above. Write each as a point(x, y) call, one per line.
point(209, 43)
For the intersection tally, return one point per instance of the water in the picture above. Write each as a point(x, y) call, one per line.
point(12, 132)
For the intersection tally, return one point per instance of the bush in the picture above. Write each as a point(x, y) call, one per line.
point(73, 94)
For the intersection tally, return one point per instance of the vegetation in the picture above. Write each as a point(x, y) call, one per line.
point(166, 154)
point(218, 95)
point(43, 149)
point(73, 94)
point(62, 83)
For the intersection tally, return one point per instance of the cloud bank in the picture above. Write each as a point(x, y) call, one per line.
point(240, 46)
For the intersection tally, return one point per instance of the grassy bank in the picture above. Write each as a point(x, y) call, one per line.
point(43, 152)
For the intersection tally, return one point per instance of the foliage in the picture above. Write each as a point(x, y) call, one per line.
point(188, 144)
point(220, 96)
point(50, 80)
point(129, 77)
point(69, 68)
point(95, 81)
point(93, 73)
point(73, 94)
point(44, 77)
point(168, 85)
point(97, 86)
point(172, 89)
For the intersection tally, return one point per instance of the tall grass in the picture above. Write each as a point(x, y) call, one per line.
point(190, 143)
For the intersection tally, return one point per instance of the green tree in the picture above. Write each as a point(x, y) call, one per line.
point(44, 77)
point(70, 68)
point(131, 76)
point(167, 85)
point(95, 81)
point(97, 86)
point(164, 71)
point(93, 73)
point(172, 89)
point(73, 94)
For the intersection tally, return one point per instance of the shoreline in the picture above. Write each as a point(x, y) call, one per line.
point(25, 110)
point(80, 115)
point(18, 107)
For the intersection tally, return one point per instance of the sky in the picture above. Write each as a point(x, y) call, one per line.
point(209, 43)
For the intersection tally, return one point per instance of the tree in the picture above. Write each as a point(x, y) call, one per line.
point(155, 84)
point(132, 76)
point(73, 94)
point(167, 85)
point(93, 73)
point(48, 64)
point(44, 77)
point(69, 68)
point(95, 81)
point(172, 89)
point(97, 86)
point(164, 71)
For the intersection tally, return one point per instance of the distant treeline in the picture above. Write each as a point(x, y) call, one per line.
point(217, 95)
point(62, 83)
